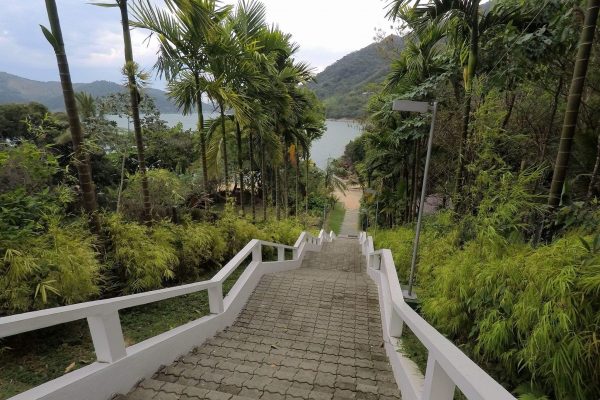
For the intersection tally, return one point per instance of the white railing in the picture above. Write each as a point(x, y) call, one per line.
point(118, 367)
point(447, 366)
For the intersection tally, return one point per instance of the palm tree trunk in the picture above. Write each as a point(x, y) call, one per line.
point(297, 180)
point(570, 121)
point(238, 135)
point(201, 132)
point(470, 77)
point(510, 102)
point(81, 157)
point(263, 175)
point(277, 194)
point(135, 111)
point(225, 167)
point(306, 188)
point(252, 184)
point(285, 190)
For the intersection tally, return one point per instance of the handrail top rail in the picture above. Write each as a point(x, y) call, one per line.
point(469, 377)
point(33, 320)
point(273, 244)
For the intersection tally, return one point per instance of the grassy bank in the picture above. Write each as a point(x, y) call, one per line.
point(335, 218)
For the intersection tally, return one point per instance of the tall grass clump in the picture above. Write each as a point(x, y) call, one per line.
point(200, 247)
point(55, 267)
point(144, 257)
point(528, 314)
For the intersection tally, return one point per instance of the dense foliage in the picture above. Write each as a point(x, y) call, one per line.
point(162, 205)
point(506, 273)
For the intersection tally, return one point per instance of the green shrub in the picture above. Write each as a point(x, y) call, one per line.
point(26, 167)
point(528, 315)
point(144, 256)
point(400, 241)
point(285, 231)
point(199, 246)
point(236, 231)
point(167, 190)
point(56, 267)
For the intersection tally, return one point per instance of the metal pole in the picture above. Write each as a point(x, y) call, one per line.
point(413, 265)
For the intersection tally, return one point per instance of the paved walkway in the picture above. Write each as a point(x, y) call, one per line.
point(310, 333)
point(350, 224)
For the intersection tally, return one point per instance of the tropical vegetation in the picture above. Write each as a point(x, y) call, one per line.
point(509, 267)
point(90, 211)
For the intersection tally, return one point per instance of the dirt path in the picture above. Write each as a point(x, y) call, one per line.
point(351, 201)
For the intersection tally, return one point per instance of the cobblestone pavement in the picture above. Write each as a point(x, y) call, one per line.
point(310, 333)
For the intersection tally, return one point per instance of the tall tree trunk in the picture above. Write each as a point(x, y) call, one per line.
point(285, 189)
point(81, 157)
point(307, 160)
point(201, 132)
point(297, 179)
point(469, 78)
point(134, 98)
point(277, 194)
point(225, 167)
point(594, 177)
point(263, 176)
point(510, 103)
point(252, 184)
point(238, 135)
point(570, 122)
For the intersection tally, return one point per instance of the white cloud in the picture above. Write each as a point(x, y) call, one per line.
point(326, 30)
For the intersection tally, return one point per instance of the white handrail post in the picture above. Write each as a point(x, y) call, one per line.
point(280, 254)
point(257, 253)
point(107, 337)
point(438, 385)
point(396, 323)
point(215, 299)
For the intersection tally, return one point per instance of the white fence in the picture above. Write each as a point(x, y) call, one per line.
point(447, 366)
point(118, 368)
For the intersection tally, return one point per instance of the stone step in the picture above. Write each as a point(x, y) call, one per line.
point(161, 390)
point(289, 338)
point(255, 380)
point(233, 367)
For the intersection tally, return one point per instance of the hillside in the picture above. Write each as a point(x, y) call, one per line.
point(15, 89)
point(344, 85)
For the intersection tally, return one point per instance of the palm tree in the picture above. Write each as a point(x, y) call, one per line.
point(462, 22)
point(131, 70)
point(81, 156)
point(570, 121)
point(134, 97)
point(86, 105)
point(184, 31)
point(247, 23)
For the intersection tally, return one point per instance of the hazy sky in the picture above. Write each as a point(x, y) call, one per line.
point(325, 29)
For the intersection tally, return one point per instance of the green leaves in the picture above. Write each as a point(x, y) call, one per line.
point(50, 38)
point(106, 5)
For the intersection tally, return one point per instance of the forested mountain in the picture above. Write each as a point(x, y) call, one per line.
point(344, 85)
point(15, 89)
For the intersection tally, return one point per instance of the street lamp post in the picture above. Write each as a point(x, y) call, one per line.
point(420, 107)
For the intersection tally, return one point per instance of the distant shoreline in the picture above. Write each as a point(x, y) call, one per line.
point(355, 121)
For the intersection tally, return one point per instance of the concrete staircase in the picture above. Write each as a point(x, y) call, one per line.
point(310, 333)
